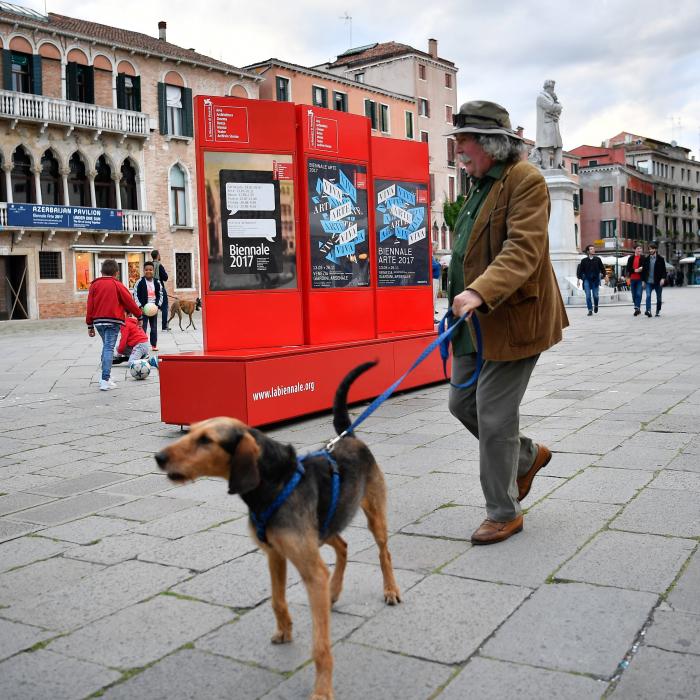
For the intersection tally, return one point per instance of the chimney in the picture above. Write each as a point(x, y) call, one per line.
point(161, 30)
point(432, 47)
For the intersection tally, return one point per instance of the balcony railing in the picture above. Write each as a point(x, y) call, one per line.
point(134, 221)
point(52, 110)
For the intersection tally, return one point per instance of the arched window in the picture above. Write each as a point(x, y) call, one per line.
point(178, 198)
point(127, 186)
point(51, 186)
point(22, 178)
point(105, 193)
point(78, 193)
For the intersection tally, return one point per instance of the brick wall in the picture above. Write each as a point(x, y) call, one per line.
point(51, 77)
point(103, 88)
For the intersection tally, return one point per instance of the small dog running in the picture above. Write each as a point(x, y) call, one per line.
point(258, 469)
point(184, 307)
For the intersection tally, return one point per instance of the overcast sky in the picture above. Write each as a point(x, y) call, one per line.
point(620, 65)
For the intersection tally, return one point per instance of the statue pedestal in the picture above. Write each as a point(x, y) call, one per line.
point(562, 234)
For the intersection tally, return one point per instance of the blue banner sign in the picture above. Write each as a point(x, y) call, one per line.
point(57, 216)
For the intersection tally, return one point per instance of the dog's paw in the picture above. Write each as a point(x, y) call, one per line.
point(281, 637)
point(392, 596)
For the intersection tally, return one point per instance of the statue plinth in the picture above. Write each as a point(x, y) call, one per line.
point(562, 233)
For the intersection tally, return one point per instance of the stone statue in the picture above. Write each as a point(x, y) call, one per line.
point(547, 152)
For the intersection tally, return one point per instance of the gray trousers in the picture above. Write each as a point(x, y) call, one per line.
point(490, 411)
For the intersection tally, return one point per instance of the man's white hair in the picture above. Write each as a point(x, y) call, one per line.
point(502, 148)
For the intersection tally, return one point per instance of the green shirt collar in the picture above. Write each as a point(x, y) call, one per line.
point(495, 172)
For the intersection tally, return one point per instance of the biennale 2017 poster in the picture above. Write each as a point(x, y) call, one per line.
point(338, 225)
point(250, 221)
point(403, 246)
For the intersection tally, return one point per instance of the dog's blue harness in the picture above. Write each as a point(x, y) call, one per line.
point(448, 325)
point(260, 520)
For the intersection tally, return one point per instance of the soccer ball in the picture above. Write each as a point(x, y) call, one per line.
point(140, 369)
point(150, 309)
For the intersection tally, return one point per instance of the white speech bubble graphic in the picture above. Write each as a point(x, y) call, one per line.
point(401, 214)
point(350, 234)
point(416, 236)
point(252, 228)
point(340, 212)
point(250, 196)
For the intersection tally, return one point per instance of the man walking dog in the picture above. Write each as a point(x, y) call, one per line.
point(500, 269)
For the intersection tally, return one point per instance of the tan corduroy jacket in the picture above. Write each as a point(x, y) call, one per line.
point(507, 263)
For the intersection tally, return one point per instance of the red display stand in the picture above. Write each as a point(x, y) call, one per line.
point(315, 257)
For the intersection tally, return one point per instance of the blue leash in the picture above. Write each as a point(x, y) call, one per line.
point(445, 332)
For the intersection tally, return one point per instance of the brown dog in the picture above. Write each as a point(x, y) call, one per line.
point(258, 468)
point(184, 307)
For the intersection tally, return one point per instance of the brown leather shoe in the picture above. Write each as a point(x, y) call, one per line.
point(491, 531)
point(525, 481)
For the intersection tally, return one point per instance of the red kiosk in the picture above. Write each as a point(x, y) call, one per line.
point(315, 256)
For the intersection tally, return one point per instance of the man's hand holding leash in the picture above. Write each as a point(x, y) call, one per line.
point(466, 302)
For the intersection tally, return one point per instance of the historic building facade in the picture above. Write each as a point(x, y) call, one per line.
point(98, 119)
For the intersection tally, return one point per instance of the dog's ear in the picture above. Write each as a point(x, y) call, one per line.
point(244, 474)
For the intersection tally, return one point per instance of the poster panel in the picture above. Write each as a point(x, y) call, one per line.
point(250, 221)
point(338, 224)
point(403, 244)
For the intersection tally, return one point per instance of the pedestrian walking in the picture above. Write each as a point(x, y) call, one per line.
point(500, 270)
point(654, 276)
point(149, 290)
point(108, 300)
point(633, 270)
point(589, 273)
point(160, 273)
point(437, 274)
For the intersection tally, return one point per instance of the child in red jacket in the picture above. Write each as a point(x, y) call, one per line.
point(108, 299)
point(134, 341)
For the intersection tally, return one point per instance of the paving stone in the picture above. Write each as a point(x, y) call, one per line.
point(43, 674)
point(68, 509)
point(81, 484)
point(249, 638)
point(141, 486)
point(674, 631)
point(684, 595)
point(652, 440)
point(686, 462)
point(201, 551)
point(566, 464)
point(241, 583)
point(580, 442)
point(96, 596)
point(632, 457)
point(423, 554)
point(552, 532)
point(655, 674)
point(628, 560)
point(604, 485)
point(191, 673)
point(454, 522)
point(87, 530)
point(26, 550)
point(10, 530)
point(15, 637)
point(673, 424)
point(115, 549)
point(676, 480)
point(359, 672)
point(442, 619)
point(421, 460)
point(363, 589)
point(28, 482)
point(28, 582)
point(20, 501)
point(578, 628)
point(661, 512)
point(488, 678)
point(142, 633)
point(187, 522)
point(149, 508)
point(213, 492)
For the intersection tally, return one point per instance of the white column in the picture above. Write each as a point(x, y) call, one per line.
point(37, 183)
point(91, 178)
point(7, 167)
point(65, 172)
point(116, 178)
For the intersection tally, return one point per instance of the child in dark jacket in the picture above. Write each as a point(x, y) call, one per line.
point(108, 300)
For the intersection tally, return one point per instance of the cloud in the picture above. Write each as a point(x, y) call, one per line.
point(619, 64)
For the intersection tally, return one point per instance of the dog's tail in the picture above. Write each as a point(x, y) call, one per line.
point(341, 417)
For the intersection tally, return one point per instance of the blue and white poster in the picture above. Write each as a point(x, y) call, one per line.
point(403, 244)
point(57, 216)
point(338, 225)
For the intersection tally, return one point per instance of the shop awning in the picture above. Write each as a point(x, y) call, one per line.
point(687, 261)
point(112, 248)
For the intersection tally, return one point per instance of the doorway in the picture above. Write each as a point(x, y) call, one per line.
point(13, 287)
